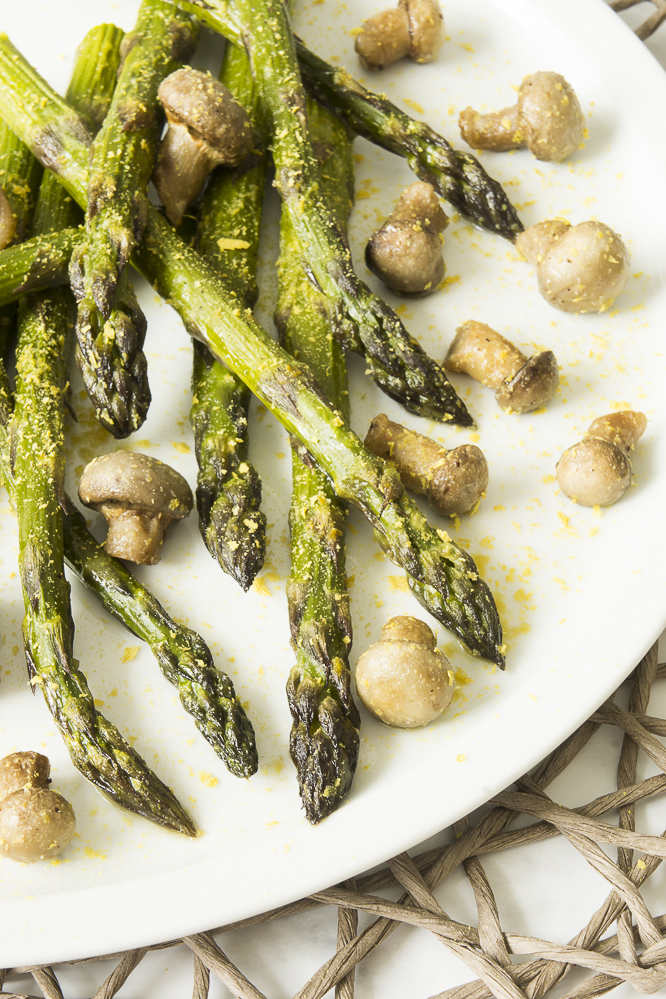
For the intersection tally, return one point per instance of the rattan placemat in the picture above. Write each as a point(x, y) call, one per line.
point(635, 953)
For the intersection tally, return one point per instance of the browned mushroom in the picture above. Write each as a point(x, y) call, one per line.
point(597, 471)
point(406, 251)
point(581, 268)
point(453, 481)
point(547, 119)
point(35, 823)
point(415, 29)
point(206, 127)
point(521, 384)
point(19, 770)
point(404, 680)
point(139, 497)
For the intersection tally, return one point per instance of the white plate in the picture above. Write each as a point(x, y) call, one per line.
point(580, 593)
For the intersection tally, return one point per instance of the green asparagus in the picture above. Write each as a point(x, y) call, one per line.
point(457, 177)
point(110, 325)
point(36, 432)
point(228, 486)
point(20, 174)
point(362, 321)
point(324, 741)
point(448, 582)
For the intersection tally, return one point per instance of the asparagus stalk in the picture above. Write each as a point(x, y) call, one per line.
point(36, 444)
point(362, 321)
point(324, 741)
point(110, 325)
point(40, 262)
point(457, 177)
point(228, 486)
point(20, 174)
point(447, 579)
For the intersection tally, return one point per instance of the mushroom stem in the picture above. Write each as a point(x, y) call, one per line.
point(498, 131)
point(183, 163)
point(484, 354)
point(623, 429)
point(453, 481)
point(134, 535)
point(414, 29)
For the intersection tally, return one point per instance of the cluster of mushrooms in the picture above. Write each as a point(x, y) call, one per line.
point(403, 679)
point(583, 268)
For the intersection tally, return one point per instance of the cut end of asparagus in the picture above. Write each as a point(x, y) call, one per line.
point(323, 744)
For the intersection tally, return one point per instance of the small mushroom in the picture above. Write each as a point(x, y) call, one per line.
point(581, 268)
point(521, 384)
point(206, 127)
point(139, 497)
point(404, 680)
point(7, 221)
point(597, 471)
point(547, 119)
point(19, 770)
point(415, 29)
point(406, 251)
point(453, 481)
point(35, 823)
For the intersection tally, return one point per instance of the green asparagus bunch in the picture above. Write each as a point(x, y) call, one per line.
point(36, 446)
point(324, 741)
point(228, 486)
point(363, 322)
point(110, 325)
point(447, 579)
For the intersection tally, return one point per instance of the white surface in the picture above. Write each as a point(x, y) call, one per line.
point(580, 604)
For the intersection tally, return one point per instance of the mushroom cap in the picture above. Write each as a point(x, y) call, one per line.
point(210, 112)
point(19, 770)
point(35, 825)
point(8, 221)
point(383, 39)
point(137, 482)
point(404, 683)
point(584, 268)
point(551, 119)
point(426, 28)
point(458, 481)
point(532, 386)
point(406, 251)
point(594, 472)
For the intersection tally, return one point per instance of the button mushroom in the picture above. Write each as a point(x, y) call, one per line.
point(35, 823)
point(581, 268)
point(139, 497)
point(547, 119)
point(404, 680)
point(414, 29)
point(597, 471)
point(406, 251)
point(521, 384)
point(453, 481)
point(206, 127)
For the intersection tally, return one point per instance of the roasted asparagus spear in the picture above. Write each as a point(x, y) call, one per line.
point(228, 486)
point(110, 325)
point(36, 446)
point(324, 740)
point(445, 577)
point(363, 321)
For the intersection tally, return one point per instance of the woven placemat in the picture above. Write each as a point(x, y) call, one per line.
point(635, 953)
